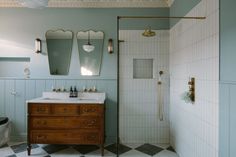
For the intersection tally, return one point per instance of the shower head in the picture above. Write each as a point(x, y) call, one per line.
point(148, 32)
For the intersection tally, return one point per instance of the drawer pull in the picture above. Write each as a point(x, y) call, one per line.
point(91, 137)
point(41, 137)
point(91, 123)
point(90, 110)
point(65, 110)
point(41, 122)
point(41, 109)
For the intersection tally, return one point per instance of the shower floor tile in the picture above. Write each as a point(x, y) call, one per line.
point(166, 153)
point(122, 148)
point(149, 149)
point(134, 153)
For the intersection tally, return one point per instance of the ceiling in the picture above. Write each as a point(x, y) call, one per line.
point(96, 3)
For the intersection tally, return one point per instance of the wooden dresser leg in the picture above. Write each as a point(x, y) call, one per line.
point(29, 149)
point(102, 149)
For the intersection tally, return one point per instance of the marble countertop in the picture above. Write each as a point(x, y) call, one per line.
point(83, 98)
point(65, 101)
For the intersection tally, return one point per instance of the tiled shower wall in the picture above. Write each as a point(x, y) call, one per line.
point(194, 52)
point(139, 119)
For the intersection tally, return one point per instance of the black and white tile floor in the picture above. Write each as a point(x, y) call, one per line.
point(128, 150)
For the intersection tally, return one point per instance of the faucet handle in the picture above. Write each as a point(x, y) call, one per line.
point(94, 89)
point(85, 89)
point(63, 89)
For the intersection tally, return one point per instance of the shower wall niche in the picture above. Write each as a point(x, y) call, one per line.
point(141, 59)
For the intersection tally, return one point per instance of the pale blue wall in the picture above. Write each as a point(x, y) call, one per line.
point(227, 79)
point(20, 27)
point(23, 26)
point(181, 8)
point(227, 39)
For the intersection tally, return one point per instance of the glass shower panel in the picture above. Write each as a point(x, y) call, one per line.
point(141, 59)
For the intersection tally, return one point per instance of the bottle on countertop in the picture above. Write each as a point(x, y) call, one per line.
point(71, 92)
point(75, 93)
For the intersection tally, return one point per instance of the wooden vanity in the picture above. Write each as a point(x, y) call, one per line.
point(66, 123)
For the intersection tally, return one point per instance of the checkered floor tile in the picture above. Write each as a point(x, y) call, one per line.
point(149, 149)
point(127, 150)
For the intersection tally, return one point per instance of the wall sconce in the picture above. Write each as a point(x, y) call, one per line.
point(38, 45)
point(110, 46)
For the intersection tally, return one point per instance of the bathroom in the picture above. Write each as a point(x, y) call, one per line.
point(164, 73)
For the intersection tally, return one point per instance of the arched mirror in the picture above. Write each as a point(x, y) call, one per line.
point(59, 46)
point(90, 47)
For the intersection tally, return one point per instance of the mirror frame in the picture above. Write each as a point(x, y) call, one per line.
point(72, 38)
point(102, 49)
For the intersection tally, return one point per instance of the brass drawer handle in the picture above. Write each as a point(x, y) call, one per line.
point(91, 137)
point(41, 109)
point(90, 110)
point(40, 137)
point(44, 122)
point(91, 123)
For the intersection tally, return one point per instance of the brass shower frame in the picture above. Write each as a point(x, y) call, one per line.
point(162, 17)
point(118, 51)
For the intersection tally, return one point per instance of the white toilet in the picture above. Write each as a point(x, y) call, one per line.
point(4, 130)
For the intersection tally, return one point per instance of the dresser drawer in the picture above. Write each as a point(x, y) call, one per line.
point(91, 110)
point(65, 110)
point(65, 137)
point(39, 109)
point(65, 122)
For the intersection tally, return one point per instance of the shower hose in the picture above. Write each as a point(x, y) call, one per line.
point(160, 100)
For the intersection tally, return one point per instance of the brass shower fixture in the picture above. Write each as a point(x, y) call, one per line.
point(191, 84)
point(159, 81)
point(148, 32)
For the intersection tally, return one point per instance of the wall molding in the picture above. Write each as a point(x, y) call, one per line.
point(96, 4)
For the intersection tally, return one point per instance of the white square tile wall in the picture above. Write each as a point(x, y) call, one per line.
point(194, 52)
point(139, 120)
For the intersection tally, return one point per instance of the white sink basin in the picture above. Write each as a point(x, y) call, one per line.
point(63, 97)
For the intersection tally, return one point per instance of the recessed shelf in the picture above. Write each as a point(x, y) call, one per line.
point(143, 68)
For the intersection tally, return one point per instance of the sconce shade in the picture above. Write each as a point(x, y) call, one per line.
point(88, 47)
point(110, 46)
point(38, 45)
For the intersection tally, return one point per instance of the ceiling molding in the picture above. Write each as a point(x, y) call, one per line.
point(96, 3)
point(169, 2)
